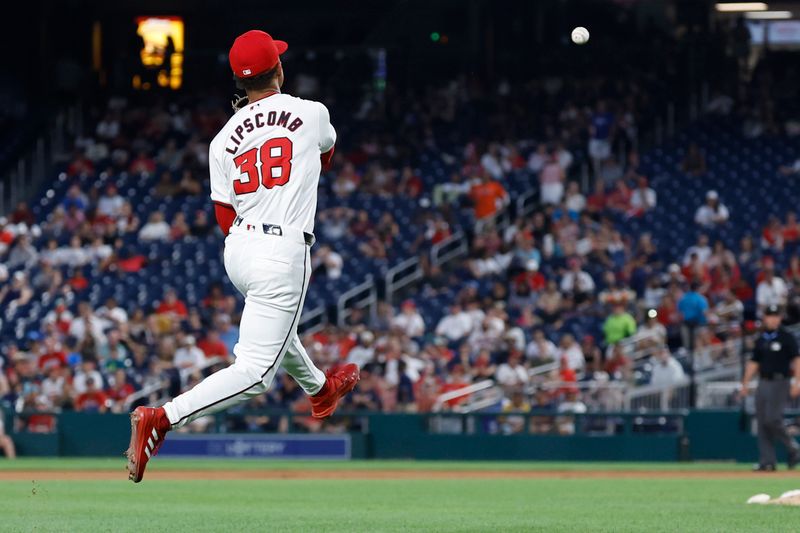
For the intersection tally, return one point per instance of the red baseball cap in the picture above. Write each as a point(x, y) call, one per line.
point(255, 52)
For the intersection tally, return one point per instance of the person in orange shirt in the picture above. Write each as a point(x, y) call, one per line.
point(488, 196)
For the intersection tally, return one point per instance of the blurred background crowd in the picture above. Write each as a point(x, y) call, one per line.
point(607, 237)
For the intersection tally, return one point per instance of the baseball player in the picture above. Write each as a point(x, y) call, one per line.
point(264, 166)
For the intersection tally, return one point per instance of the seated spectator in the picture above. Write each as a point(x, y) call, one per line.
point(666, 370)
point(538, 158)
point(409, 321)
point(179, 228)
point(618, 366)
point(791, 230)
point(512, 373)
point(516, 403)
point(119, 390)
point(619, 325)
point(23, 254)
point(212, 345)
point(22, 214)
point(142, 164)
point(363, 353)
point(729, 314)
point(620, 198)
point(111, 203)
point(188, 355)
point(572, 404)
point(597, 201)
point(165, 186)
point(772, 235)
point(713, 213)
point(694, 162)
point(540, 349)
point(455, 325)
point(156, 228)
point(551, 181)
point(327, 262)
point(201, 227)
point(87, 324)
point(570, 351)
point(577, 282)
point(771, 290)
point(92, 400)
point(495, 163)
point(643, 198)
point(171, 305)
point(189, 185)
point(85, 373)
point(575, 202)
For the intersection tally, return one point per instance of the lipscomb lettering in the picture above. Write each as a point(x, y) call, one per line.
point(282, 119)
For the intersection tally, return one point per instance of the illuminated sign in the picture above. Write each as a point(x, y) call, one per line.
point(161, 52)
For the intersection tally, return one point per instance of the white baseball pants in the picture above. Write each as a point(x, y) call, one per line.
point(272, 272)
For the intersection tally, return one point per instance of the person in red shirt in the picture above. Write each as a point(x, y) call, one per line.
point(53, 355)
point(596, 203)
point(620, 197)
point(142, 163)
point(121, 389)
point(80, 165)
point(772, 235)
point(212, 346)
point(93, 400)
point(172, 305)
point(488, 196)
point(22, 215)
point(78, 281)
point(618, 366)
point(791, 230)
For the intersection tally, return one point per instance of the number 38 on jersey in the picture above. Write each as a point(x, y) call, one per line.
point(270, 166)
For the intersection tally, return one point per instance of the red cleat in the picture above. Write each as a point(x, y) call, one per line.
point(338, 383)
point(149, 426)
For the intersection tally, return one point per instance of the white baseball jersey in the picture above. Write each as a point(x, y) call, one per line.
point(265, 162)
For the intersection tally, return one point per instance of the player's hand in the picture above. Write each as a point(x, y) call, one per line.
point(744, 390)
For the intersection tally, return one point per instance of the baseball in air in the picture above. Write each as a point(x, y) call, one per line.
point(580, 35)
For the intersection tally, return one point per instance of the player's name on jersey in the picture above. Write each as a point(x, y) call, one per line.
point(259, 120)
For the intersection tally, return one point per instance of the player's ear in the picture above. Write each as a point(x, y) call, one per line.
point(279, 74)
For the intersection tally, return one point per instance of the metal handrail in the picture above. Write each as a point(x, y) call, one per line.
point(400, 276)
point(448, 249)
point(462, 392)
point(312, 320)
point(343, 304)
point(165, 383)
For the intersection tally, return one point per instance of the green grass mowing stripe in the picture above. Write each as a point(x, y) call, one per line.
point(89, 464)
point(567, 505)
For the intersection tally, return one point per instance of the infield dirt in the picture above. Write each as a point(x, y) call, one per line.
point(189, 475)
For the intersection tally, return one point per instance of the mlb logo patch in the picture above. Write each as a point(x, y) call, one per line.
point(247, 72)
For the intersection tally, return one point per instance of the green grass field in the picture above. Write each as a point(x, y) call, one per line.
point(637, 501)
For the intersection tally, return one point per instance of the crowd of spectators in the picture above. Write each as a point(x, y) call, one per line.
point(561, 285)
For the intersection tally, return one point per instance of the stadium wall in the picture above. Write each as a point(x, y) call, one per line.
point(702, 435)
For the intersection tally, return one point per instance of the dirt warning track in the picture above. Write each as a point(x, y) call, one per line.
point(189, 475)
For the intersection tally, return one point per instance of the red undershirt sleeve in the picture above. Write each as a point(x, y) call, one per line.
point(326, 158)
point(225, 215)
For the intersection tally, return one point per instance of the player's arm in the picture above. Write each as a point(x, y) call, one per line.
point(220, 195)
point(749, 372)
point(225, 215)
point(795, 352)
point(327, 137)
